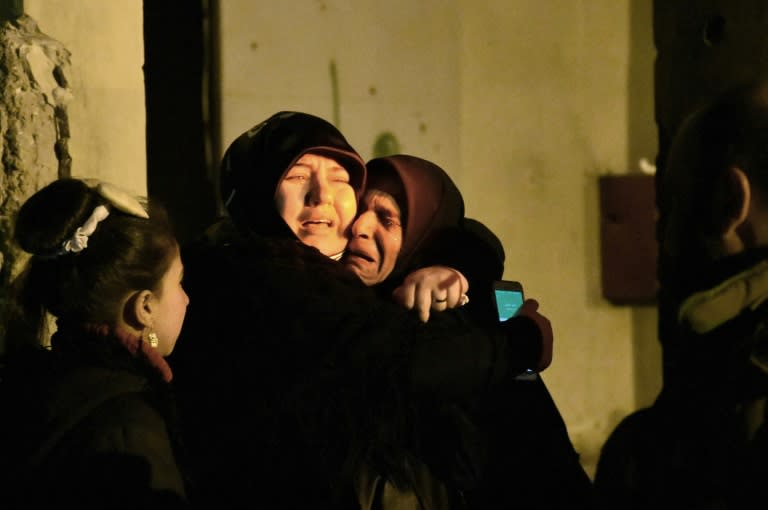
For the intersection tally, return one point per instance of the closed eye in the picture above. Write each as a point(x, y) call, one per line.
point(340, 175)
point(387, 220)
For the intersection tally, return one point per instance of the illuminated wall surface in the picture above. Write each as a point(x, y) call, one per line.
point(106, 114)
point(523, 102)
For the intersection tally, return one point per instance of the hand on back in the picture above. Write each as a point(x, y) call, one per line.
point(435, 288)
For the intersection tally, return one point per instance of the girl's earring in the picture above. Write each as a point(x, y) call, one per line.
point(153, 340)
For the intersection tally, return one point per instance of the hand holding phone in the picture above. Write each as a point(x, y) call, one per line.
point(530, 309)
point(508, 298)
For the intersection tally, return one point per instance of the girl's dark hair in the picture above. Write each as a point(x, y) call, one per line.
point(124, 253)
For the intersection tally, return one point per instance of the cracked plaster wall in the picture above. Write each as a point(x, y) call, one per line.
point(71, 101)
point(34, 127)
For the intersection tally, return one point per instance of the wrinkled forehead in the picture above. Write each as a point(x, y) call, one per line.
point(315, 161)
point(349, 162)
point(376, 199)
point(384, 180)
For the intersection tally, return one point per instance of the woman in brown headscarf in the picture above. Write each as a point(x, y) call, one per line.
point(292, 372)
point(479, 451)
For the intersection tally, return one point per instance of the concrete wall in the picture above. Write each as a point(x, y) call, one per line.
point(523, 102)
point(106, 114)
point(545, 108)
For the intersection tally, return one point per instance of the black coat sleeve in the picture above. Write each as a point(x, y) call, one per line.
point(455, 358)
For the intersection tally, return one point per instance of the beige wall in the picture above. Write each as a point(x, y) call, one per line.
point(523, 102)
point(397, 69)
point(545, 109)
point(106, 115)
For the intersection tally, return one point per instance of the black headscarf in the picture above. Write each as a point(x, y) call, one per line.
point(256, 161)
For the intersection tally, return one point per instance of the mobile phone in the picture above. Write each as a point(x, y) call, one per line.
point(508, 297)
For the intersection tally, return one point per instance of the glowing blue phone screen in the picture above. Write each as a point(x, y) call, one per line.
point(507, 302)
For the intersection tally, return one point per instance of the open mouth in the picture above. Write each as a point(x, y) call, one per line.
point(327, 223)
point(360, 255)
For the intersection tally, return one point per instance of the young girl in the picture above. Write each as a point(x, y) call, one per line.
point(88, 416)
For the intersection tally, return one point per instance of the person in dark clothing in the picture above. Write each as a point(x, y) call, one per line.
point(430, 228)
point(508, 448)
point(703, 443)
point(476, 251)
point(384, 249)
point(89, 419)
point(526, 441)
point(398, 217)
point(291, 373)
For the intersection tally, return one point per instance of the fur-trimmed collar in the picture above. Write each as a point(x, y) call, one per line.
point(707, 309)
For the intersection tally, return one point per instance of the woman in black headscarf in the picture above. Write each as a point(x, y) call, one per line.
point(293, 373)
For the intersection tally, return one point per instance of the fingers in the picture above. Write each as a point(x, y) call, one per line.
point(424, 302)
point(528, 307)
point(434, 288)
point(405, 295)
point(547, 339)
point(463, 282)
point(417, 296)
point(455, 289)
point(453, 295)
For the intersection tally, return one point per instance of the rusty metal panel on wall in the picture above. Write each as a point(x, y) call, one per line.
point(628, 247)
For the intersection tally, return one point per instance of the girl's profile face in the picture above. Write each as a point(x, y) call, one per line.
point(171, 302)
point(317, 201)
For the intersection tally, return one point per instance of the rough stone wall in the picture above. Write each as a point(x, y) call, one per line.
point(34, 131)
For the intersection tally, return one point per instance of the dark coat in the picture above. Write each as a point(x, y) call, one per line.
point(87, 426)
point(704, 442)
point(291, 373)
point(508, 446)
point(522, 447)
